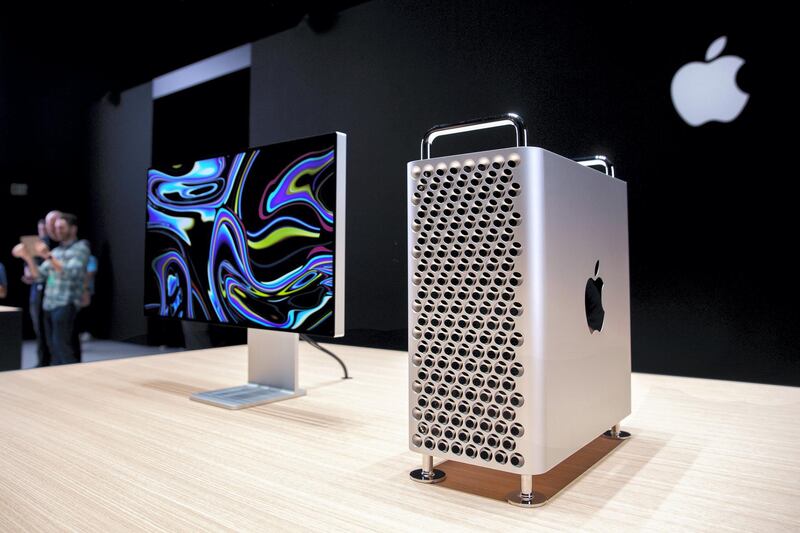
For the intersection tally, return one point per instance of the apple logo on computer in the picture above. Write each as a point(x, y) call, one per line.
point(706, 91)
point(594, 301)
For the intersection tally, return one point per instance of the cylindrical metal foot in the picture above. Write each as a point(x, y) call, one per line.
point(526, 497)
point(427, 474)
point(616, 434)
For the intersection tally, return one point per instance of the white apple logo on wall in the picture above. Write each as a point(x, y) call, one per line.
point(706, 92)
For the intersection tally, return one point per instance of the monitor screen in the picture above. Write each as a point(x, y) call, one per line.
point(250, 239)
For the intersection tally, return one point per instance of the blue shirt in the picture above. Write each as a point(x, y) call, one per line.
point(91, 268)
point(3, 278)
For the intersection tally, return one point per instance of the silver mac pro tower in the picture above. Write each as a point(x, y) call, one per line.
point(519, 313)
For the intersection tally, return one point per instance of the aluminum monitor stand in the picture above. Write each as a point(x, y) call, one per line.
point(271, 373)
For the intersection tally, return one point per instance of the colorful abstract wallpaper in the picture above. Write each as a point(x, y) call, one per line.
point(245, 239)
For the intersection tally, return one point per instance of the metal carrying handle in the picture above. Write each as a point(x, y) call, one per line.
point(509, 119)
point(597, 161)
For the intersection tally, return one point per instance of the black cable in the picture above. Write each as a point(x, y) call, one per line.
point(314, 343)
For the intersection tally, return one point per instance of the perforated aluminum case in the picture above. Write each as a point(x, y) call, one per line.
point(504, 371)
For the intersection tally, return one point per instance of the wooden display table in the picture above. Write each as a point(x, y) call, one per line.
point(118, 445)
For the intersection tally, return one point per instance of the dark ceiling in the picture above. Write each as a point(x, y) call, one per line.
point(93, 49)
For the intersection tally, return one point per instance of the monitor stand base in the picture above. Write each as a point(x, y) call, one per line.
point(245, 396)
point(271, 372)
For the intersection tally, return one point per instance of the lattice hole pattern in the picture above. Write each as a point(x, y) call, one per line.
point(465, 307)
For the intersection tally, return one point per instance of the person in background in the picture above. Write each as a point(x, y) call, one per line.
point(3, 281)
point(36, 297)
point(64, 270)
point(50, 226)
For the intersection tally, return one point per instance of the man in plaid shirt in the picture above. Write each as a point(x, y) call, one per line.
point(64, 270)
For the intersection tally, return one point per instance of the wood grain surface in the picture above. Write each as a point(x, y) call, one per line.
point(118, 445)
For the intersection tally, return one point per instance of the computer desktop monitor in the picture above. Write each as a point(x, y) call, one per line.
point(253, 239)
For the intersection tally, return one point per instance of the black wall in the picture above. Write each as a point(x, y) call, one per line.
point(43, 145)
point(121, 152)
point(206, 120)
